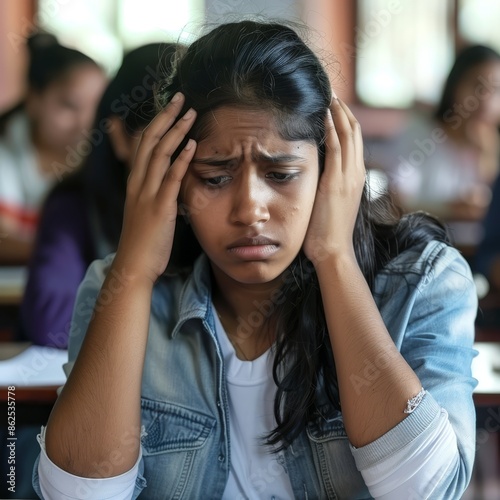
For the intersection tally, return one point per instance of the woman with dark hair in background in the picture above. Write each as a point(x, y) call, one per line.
point(316, 347)
point(36, 137)
point(447, 166)
point(82, 217)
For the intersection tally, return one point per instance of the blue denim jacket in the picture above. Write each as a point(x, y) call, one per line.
point(427, 299)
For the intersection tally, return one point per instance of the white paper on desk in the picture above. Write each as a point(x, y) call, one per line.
point(35, 366)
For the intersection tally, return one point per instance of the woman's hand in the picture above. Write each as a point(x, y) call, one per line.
point(339, 189)
point(152, 190)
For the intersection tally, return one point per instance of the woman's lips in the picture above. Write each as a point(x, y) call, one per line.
point(254, 252)
point(255, 248)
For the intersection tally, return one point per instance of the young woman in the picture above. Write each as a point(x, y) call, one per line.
point(447, 165)
point(314, 348)
point(41, 139)
point(82, 217)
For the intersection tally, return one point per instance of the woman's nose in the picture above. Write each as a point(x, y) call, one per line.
point(250, 202)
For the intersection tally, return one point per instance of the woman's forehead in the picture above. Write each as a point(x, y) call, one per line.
point(234, 127)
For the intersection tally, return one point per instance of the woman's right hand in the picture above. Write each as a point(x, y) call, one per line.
point(152, 190)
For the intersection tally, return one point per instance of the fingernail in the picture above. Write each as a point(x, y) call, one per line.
point(189, 114)
point(334, 95)
point(189, 145)
point(177, 97)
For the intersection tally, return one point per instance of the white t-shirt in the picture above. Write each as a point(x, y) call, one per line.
point(255, 472)
point(22, 186)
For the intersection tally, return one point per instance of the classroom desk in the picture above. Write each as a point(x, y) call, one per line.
point(12, 284)
point(485, 368)
point(33, 403)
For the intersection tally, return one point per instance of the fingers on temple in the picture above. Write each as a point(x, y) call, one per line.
point(333, 147)
point(151, 136)
point(172, 179)
point(349, 135)
point(355, 134)
point(161, 155)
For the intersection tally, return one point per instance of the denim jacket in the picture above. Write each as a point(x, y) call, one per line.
point(428, 302)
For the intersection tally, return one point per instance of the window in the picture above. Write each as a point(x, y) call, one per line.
point(103, 29)
point(405, 49)
point(478, 22)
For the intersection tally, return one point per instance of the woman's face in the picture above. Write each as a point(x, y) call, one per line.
point(249, 195)
point(63, 111)
point(479, 92)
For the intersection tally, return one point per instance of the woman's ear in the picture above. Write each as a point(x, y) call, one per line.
point(120, 141)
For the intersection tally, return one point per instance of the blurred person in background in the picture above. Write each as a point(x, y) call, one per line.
point(447, 165)
point(40, 137)
point(487, 261)
point(82, 218)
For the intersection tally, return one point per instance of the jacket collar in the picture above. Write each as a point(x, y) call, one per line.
point(196, 296)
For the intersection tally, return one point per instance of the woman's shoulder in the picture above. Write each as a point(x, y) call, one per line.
point(426, 260)
point(166, 289)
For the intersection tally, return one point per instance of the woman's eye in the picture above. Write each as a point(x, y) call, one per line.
point(216, 181)
point(281, 177)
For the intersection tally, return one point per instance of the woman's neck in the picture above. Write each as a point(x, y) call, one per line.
point(246, 313)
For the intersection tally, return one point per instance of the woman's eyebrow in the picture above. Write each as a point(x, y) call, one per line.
point(278, 158)
point(215, 162)
point(263, 157)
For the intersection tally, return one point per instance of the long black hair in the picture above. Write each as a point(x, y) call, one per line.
point(268, 66)
point(129, 96)
point(466, 59)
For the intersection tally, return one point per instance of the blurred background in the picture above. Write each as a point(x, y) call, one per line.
point(430, 115)
point(393, 53)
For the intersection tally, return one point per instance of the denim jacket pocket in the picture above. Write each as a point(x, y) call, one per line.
point(333, 458)
point(323, 428)
point(173, 428)
point(175, 449)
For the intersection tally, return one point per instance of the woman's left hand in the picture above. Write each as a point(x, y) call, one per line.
point(339, 189)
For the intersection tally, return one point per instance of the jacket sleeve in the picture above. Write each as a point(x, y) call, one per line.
point(47, 475)
point(438, 345)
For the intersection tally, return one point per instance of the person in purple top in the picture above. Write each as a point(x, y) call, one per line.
point(82, 216)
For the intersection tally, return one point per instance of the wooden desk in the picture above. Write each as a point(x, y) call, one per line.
point(33, 402)
point(486, 369)
point(12, 284)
